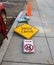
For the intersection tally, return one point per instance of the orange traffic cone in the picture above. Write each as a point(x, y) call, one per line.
point(29, 13)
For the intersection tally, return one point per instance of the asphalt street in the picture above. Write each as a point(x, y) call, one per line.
point(13, 7)
point(43, 19)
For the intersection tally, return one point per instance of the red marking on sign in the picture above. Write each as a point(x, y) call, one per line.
point(29, 47)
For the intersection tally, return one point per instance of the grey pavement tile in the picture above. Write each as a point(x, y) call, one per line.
point(4, 47)
point(44, 8)
point(35, 24)
point(43, 5)
point(41, 31)
point(12, 63)
point(35, 19)
point(50, 13)
point(47, 16)
point(47, 13)
point(15, 53)
point(48, 23)
point(49, 30)
point(51, 45)
point(51, 3)
point(35, 13)
point(38, 26)
point(50, 19)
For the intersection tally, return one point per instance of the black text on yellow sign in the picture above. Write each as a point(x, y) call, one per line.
point(26, 30)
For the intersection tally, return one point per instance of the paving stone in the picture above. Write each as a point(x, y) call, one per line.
point(47, 16)
point(41, 55)
point(51, 4)
point(51, 45)
point(43, 5)
point(39, 26)
point(35, 19)
point(49, 30)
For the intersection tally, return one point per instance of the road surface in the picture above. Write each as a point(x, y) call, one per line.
point(13, 7)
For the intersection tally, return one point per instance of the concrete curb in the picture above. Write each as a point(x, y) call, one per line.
point(10, 34)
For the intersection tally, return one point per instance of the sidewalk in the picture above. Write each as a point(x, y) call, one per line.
point(43, 19)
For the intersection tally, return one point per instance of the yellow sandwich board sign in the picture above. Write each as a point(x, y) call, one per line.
point(26, 30)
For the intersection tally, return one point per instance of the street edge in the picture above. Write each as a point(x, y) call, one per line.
point(6, 42)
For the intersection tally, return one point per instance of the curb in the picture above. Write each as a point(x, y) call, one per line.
point(6, 42)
